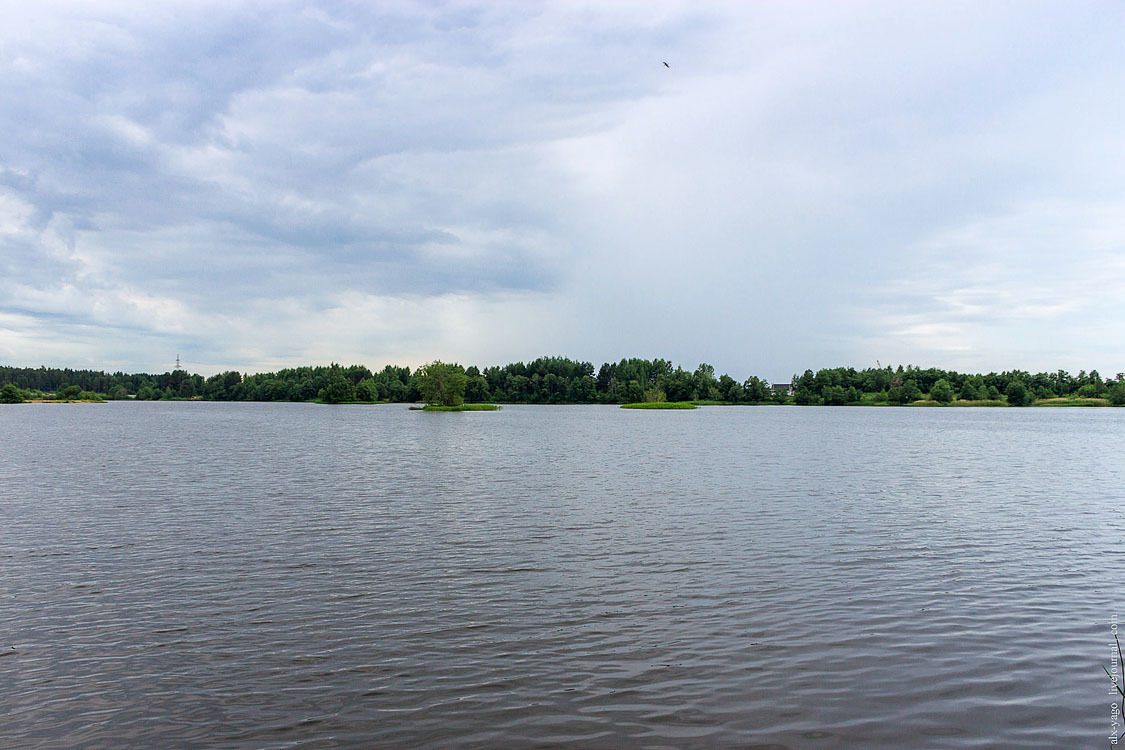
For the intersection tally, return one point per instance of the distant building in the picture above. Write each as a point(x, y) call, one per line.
point(786, 388)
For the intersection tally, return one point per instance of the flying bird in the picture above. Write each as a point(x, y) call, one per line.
point(666, 65)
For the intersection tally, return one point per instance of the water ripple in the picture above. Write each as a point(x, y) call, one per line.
point(271, 575)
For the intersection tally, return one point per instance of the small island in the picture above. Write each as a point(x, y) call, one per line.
point(462, 407)
point(442, 387)
point(660, 405)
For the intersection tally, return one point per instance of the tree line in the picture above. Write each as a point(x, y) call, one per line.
point(559, 380)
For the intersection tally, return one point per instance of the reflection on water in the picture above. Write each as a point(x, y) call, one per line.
point(250, 575)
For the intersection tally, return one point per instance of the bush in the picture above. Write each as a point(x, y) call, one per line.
point(10, 394)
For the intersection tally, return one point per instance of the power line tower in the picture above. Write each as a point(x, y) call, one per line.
point(178, 367)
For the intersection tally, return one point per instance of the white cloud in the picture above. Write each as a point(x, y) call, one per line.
point(15, 214)
point(1026, 288)
point(804, 186)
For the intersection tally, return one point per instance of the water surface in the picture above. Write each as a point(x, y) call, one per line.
point(293, 575)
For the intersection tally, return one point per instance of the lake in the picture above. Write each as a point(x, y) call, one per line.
point(295, 575)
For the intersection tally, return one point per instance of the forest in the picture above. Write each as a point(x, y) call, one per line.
point(559, 380)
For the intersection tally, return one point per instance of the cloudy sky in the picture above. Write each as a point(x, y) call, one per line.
point(256, 185)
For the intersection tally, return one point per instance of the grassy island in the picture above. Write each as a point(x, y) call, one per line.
point(462, 407)
point(660, 405)
point(323, 401)
point(65, 401)
point(955, 403)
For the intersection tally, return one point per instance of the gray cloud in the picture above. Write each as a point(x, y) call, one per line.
point(261, 185)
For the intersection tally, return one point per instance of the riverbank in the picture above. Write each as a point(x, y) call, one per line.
point(555, 380)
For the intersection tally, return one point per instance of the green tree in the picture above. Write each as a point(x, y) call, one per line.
point(1117, 394)
point(367, 390)
point(730, 390)
point(442, 384)
point(834, 395)
point(1018, 395)
point(805, 396)
point(942, 392)
point(9, 394)
point(337, 389)
point(755, 390)
point(476, 389)
point(704, 380)
point(807, 381)
point(680, 386)
point(396, 391)
point(905, 393)
point(804, 389)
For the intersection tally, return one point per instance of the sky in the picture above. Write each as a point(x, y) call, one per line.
point(252, 186)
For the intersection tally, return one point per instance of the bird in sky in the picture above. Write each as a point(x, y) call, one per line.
point(666, 65)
